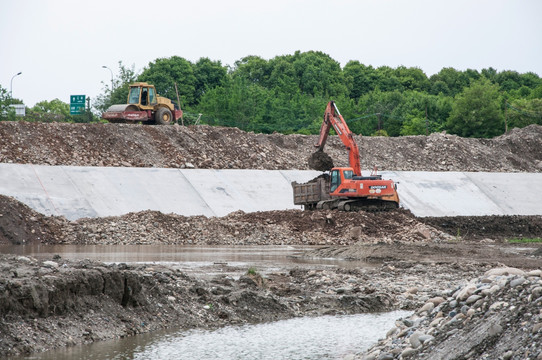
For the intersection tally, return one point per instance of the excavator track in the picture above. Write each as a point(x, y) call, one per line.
point(369, 205)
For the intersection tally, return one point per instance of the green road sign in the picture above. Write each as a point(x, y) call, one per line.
point(77, 109)
point(77, 99)
point(77, 104)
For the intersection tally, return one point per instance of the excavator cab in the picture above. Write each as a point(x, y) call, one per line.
point(338, 176)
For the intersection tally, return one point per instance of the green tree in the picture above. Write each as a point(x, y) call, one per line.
point(381, 106)
point(523, 112)
point(209, 74)
point(119, 94)
point(530, 80)
point(508, 80)
point(53, 107)
point(288, 93)
point(318, 74)
point(476, 111)
point(386, 80)
point(455, 81)
point(412, 78)
point(253, 69)
point(164, 73)
point(6, 111)
point(360, 79)
point(490, 74)
point(237, 104)
point(283, 77)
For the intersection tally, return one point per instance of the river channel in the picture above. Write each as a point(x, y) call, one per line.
point(325, 337)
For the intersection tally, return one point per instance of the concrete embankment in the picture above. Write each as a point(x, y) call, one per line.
point(77, 192)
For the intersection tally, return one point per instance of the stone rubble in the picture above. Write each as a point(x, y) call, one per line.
point(207, 147)
point(494, 316)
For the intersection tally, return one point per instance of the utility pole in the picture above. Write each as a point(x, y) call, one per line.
point(426, 121)
point(88, 110)
point(505, 116)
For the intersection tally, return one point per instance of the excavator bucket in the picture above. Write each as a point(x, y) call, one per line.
point(320, 161)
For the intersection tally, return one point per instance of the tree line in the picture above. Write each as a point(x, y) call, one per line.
point(288, 94)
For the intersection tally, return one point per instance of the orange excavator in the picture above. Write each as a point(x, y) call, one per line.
point(348, 189)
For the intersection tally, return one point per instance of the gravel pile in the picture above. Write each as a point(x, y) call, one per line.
point(207, 147)
point(288, 227)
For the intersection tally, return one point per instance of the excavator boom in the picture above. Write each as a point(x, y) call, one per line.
point(332, 117)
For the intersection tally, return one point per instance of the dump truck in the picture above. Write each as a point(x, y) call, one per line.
point(345, 188)
point(311, 193)
point(143, 105)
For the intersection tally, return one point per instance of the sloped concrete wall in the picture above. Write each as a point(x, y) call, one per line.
point(77, 192)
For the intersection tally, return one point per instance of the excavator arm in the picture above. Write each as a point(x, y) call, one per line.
point(332, 117)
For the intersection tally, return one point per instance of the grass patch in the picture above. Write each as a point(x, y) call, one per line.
point(252, 271)
point(524, 240)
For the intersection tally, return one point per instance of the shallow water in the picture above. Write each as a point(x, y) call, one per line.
point(325, 337)
point(189, 258)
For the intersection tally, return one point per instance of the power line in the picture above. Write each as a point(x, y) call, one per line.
point(525, 112)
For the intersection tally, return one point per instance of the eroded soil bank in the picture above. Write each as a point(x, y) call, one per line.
point(57, 302)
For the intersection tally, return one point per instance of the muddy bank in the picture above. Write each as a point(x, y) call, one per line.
point(490, 253)
point(209, 147)
point(52, 303)
point(488, 227)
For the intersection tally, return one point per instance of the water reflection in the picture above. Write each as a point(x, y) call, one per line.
point(189, 258)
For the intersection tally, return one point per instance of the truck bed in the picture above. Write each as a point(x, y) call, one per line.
point(309, 194)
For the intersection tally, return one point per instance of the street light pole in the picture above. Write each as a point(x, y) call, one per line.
point(105, 67)
point(11, 85)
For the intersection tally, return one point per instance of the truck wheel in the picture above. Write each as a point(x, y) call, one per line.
point(163, 116)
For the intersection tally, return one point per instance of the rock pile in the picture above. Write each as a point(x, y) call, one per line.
point(288, 227)
point(209, 147)
point(21, 225)
point(494, 316)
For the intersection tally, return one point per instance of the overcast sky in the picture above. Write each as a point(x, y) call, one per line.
point(61, 46)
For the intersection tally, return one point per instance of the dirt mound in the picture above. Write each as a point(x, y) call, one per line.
point(19, 224)
point(320, 161)
point(288, 227)
point(224, 148)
